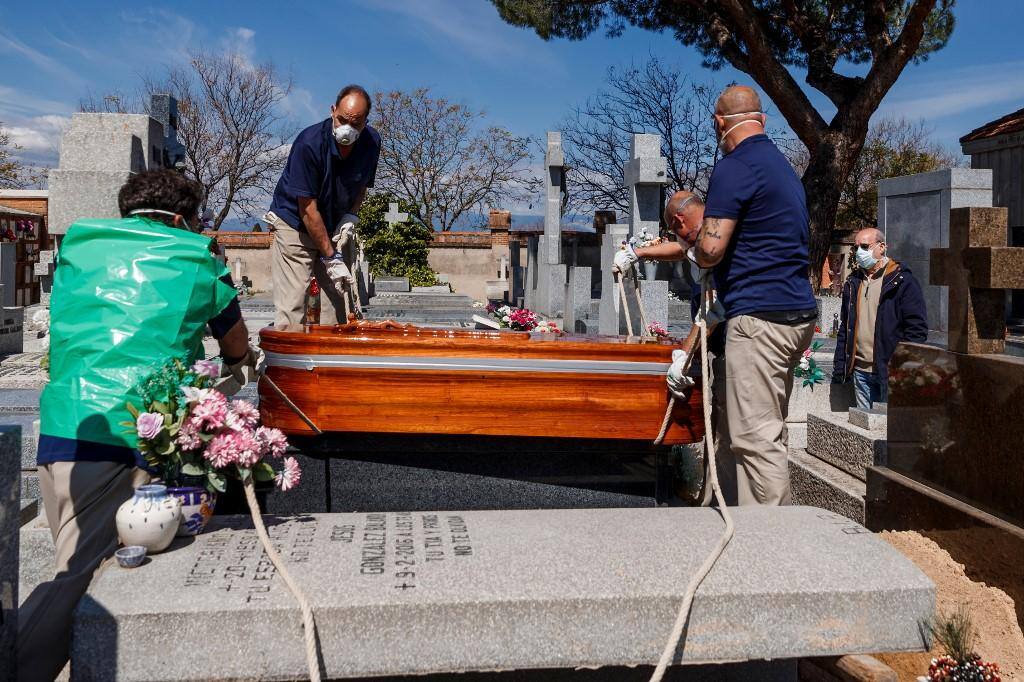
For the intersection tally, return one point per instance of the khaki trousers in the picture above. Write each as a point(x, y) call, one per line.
point(294, 258)
point(760, 357)
point(80, 500)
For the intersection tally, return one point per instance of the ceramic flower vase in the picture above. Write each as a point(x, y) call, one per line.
point(197, 504)
point(151, 518)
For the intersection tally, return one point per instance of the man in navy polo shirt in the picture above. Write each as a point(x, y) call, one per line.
point(755, 235)
point(313, 213)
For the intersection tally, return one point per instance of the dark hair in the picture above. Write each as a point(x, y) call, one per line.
point(358, 89)
point(163, 189)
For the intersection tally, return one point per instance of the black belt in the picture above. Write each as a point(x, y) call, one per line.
point(787, 317)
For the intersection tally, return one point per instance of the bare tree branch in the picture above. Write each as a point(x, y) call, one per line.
point(438, 157)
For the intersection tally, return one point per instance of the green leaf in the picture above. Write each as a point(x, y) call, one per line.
point(134, 411)
point(191, 469)
point(160, 406)
point(217, 480)
point(263, 472)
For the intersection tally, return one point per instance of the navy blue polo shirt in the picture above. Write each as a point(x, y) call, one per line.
point(765, 268)
point(315, 169)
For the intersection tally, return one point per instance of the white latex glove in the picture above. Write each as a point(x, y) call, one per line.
point(715, 314)
point(677, 380)
point(347, 231)
point(624, 259)
point(339, 273)
point(700, 275)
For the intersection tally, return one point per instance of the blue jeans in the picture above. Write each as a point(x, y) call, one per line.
point(869, 389)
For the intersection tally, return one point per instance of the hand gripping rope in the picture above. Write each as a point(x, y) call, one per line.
point(684, 608)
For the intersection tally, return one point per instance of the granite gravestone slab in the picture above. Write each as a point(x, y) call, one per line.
point(10, 522)
point(913, 212)
point(419, 592)
point(99, 152)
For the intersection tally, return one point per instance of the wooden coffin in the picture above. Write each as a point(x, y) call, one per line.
point(381, 377)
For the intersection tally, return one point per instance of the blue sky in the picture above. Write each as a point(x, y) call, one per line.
point(52, 54)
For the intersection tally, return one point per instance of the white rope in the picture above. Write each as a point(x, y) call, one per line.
point(684, 609)
point(308, 624)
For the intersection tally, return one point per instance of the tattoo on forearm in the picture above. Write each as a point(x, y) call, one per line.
point(710, 229)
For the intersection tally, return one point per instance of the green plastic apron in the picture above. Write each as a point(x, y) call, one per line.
point(128, 296)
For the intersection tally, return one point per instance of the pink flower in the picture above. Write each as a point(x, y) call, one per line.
point(233, 447)
point(242, 415)
point(807, 353)
point(290, 475)
point(208, 368)
point(149, 425)
point(211, 412)
point(188, 436)
point(272, 441)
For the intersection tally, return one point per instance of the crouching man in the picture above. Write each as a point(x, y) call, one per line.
point(128, 295)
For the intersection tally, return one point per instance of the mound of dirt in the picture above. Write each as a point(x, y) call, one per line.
point(988, 581)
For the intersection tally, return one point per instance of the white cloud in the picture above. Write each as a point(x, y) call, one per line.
point(42, 61)
point(476, 29)
point(39, 135)
point(299, 105)
point(158, 35)
point(240, 41)
point(956, 91)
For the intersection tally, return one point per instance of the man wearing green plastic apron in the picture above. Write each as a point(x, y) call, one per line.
point(128, 296)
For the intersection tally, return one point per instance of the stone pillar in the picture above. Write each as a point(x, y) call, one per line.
point(500, 223)
point(913, 212)
point(164, 108)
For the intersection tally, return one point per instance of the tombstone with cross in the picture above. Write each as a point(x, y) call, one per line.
point(548, 277)
point(977, 267)
point(394, 217)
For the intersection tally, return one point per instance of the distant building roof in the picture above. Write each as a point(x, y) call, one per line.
point(1011, 123)
point(7, 210)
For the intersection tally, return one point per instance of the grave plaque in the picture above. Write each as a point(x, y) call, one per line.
point(427, 592)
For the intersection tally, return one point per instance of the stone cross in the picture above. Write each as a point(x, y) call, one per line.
point(394, 217)
point(645, 176)
point(977, 267)
point(546, 272)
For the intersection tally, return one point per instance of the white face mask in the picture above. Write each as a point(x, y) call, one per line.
point(345, 134)
point(725, 135)
point(139, 211)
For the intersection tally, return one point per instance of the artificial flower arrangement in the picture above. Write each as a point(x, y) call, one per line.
point(655, 329)
point(808, 369)
point(188, 429)
point(521, 319)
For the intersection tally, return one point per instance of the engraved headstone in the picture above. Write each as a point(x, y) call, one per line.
point(435, 592)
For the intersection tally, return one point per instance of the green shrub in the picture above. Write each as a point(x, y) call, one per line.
point(395, 250)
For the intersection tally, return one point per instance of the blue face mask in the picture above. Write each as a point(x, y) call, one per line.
point(864, 258)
